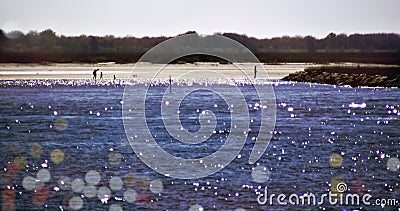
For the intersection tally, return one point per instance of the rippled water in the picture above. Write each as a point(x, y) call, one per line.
point(70, 128)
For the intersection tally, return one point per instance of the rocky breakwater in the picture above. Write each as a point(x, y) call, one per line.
point(355, 76)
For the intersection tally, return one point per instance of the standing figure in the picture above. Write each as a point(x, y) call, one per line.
point(95, 73)
point(255, 71)
point(170, 84)
point(101, 75)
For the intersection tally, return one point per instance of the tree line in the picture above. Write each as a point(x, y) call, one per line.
point(49, 41)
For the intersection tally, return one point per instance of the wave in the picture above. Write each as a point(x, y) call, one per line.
point(138, 81)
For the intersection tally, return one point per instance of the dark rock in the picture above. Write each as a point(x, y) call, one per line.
point(345, 78)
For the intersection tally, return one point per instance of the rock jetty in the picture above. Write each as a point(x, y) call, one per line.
point(354, 76)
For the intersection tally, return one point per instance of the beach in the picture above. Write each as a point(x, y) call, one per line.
point(13, 71)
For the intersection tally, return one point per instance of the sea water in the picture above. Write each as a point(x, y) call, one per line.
point(63, 146)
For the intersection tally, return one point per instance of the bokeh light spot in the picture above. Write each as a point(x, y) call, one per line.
point(43, 175)
point(334, 185)
point(75, 203)
point(40, 196)
point(358, 186)
point(78, 185)
point(196, 207)
point(260, 174)
point(114, 157)
point(92, 177)
point(8, 199)
point(104, 194)
point(130, 195)
point(28, 183)
point(60, 124)
point(335, 160)
point(21, 162)
point(64, 183)
point(57, 156)
point(143, 183)
point(12, 168)
point(90, 191)
point(142, 198)
point(156, 186)
point(116, 183)
point(115, 207)
point(393, 164)
point(129, 179)
point(36, 150)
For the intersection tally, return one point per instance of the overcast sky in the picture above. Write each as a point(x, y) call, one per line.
point(258, 18)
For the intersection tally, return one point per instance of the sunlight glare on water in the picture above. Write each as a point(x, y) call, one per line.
point(68, 144)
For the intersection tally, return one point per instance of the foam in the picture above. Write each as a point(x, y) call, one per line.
point(137, 81)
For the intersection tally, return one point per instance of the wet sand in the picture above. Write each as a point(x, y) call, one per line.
point(123, 71)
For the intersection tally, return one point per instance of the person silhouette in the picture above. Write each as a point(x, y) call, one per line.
point(101, 75)
point(95, 73)
point(170, 84)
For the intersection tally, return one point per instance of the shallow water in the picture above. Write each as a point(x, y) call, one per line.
point(84, 122)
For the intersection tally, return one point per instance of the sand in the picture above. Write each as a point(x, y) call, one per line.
point(122, 71)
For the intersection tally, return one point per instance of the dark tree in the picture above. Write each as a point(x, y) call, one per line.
point(49, 41)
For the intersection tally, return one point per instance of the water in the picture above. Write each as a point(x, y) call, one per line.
point(70, 128)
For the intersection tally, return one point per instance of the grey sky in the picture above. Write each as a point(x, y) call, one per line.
point(259, 18)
